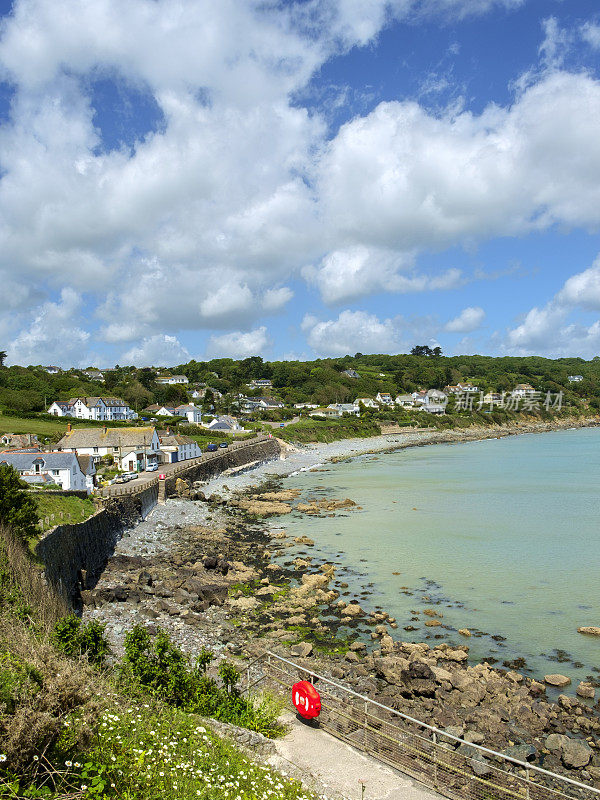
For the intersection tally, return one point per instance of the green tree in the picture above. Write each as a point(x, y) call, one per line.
point(17, 509)
point(3, 355)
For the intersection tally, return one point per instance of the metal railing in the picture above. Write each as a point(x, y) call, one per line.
point(173, 470)
point(446, 763)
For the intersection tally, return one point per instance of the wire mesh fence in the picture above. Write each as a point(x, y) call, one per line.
point(452, 767)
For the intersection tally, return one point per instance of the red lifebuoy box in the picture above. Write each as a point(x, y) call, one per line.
point(306, 699)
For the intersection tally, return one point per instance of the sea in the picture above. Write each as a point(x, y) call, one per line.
point(501, 537)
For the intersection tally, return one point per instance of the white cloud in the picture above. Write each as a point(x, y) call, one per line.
point(468, 320)
point(275, 299)
point(52, 337)
point(238, 344)
point(351, 332)
point(154, 351)
point(590, 32)
point(547, 330)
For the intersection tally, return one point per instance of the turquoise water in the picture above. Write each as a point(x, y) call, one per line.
point(502, 536)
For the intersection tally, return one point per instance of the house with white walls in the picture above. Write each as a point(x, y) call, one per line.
point(132, 449)
point(174, 447)
point(172, 380)
point(36, 468)
point(103, 409)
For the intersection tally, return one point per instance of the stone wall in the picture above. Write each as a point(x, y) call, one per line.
point(74, 556)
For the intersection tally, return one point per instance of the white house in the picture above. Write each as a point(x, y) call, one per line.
point(351, 373)
point(434, 408)
point(172, 380)
point(248, 404)
point(94, 375)
point(366, 401)
point(261, 383)
point(328, 413)
point(575, 378)
point(191, 412)
point(461, 388)
point(346, 408)
point(62, 469)
point(436, 397)
point(384, 399)
point(305, 405)
point(523, 390)
point(174, 447)
point(226, 424)
point(419, 398)
point(161, 411)
point(104, 409)
point(405, 401)
point(133, 449)
point(52, 370)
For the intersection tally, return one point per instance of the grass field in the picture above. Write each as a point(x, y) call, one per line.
point(74, 509)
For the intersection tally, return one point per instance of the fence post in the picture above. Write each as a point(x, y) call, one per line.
point(365, 725)
point(435, 782)
point(527, 786)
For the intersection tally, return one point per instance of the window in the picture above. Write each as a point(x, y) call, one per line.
point(95, 449)
point(115, 449)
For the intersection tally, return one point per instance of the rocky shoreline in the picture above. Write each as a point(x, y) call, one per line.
point(214, 574)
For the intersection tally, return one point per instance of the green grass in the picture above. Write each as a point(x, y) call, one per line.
point(151, 752)
point(42, 426)
point(315, 430)
point(74, 509)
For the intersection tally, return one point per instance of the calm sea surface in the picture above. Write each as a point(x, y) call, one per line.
point(500, 536)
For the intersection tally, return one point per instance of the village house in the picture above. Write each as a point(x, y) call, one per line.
point(492, 399)
point(366, 401)
point(327, 413)
point(351, 373)
point(19, 441)
point(133, 449)
point(346, 408)
point(160, 411)
point(300, 406)
point(261, 383)
point(94, 375)
point(175, 447)
point(192, 413)
point(405, 401)
point(88, 468)
point(225, 424)
point(419, 398)
point(199, 394)
point(575, 378)
point(104, 409)
point(522, 390)
point(384, 399)
point(249, 404)
point(52, 370)
point(61, 469)
point(172, 380)
point(436, 397)
point(461, 388)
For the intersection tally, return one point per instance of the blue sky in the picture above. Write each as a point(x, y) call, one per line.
point(180, 178)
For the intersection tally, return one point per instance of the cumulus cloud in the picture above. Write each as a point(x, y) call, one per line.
point(468, 320)
point(53, 337)
point(548, 331)
point(590, 32)
point(155, 351)
point(202, 220)
point(238, 344)
point(351, 332)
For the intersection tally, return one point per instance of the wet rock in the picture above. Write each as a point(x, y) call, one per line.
point(574, 753)
point(586, 690)
point(522, 752)
point(557, 680)
point(464, 632)
point(590, 630)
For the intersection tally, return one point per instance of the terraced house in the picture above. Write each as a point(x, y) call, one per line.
point(60, 470)
point(132, 449)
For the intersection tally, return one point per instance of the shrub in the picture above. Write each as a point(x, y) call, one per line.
point(17, 508)
point(75, 639)
point(157, 665)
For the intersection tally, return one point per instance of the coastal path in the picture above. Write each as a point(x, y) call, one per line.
point(338, 770)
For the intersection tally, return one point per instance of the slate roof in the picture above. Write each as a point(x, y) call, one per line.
point(24, 461)
point(111, 437)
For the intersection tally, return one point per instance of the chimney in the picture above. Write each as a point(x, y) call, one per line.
point(69, 427)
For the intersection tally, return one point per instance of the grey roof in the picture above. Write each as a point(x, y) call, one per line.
point(24, 461)
point(221, 426)
point(107, 437)
point(87, 464)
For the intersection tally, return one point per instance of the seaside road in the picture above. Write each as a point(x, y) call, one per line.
point(337, 769)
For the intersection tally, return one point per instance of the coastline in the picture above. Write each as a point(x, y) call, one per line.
point(266, 600)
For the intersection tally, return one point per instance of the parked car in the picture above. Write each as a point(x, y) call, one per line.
point(211, 448)
point(151, 467)
point(282, 424)
point(223, 444)
point(129, 476)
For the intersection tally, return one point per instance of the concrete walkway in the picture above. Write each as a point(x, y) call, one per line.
point(333, 768)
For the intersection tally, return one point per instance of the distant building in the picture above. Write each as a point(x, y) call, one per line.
point(575, 378)
point(160, 411)
point(104, 409)
point(172, 380)
point(436, 397)
point(523, 390)
point(51, 370)
point(366, 401)
point(249, 404)
point(385, 399)
point(347, 408)
point(305, 405)
point(94, 375)
point(192, 413)
point(19, 441)
point(327, 413)
point(351, 373)
point(405, 401)
point(225, 424)
point(261, 383)
point(61, 469)
point(461, 388)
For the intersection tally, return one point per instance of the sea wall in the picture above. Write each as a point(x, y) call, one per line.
point(74, 556)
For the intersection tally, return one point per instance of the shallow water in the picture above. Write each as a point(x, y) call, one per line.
point(501, 535)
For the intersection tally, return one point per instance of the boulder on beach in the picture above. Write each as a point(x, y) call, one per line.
point(557, 680)
point(586, 690)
